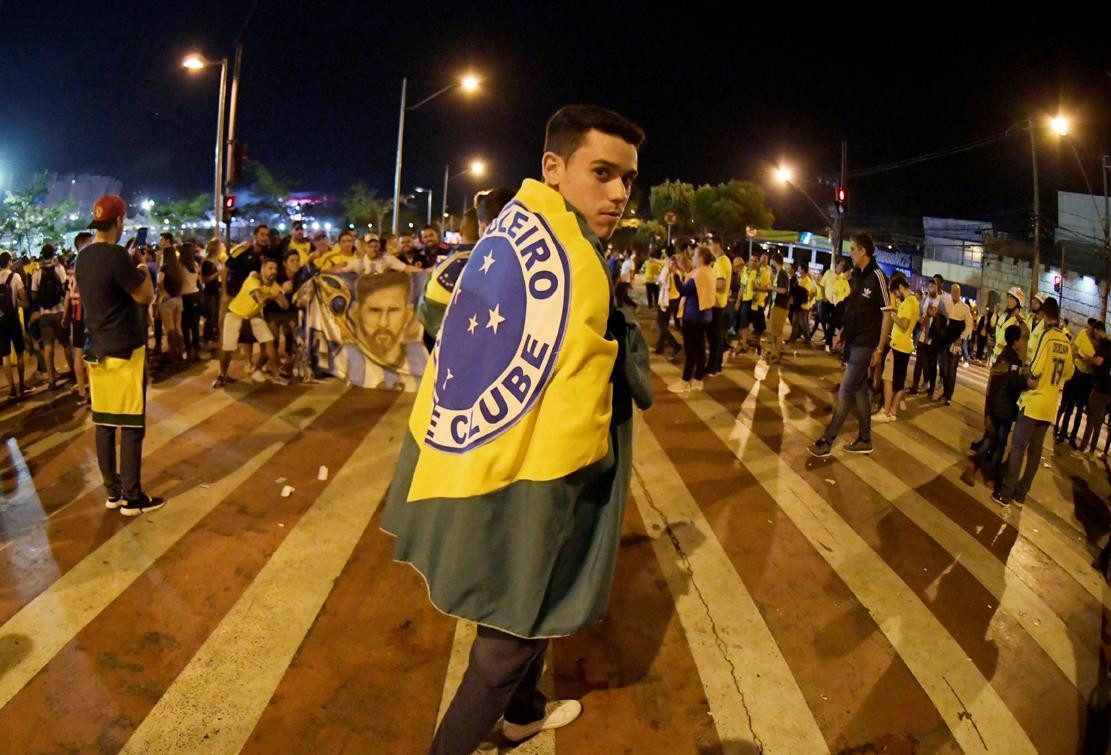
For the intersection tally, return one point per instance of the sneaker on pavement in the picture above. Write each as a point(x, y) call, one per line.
point(258, 376)
point(113, 502)
point(219, 382)
point(696, 385)
point(680, 387)
point(278, 380)
point(1076, 454)
point(883, 417)
point(999, 499)
point(559, 714)
point(142, 505)
point(820, 448)
point(859, 446)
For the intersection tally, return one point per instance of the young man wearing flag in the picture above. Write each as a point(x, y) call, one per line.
point(512, 481)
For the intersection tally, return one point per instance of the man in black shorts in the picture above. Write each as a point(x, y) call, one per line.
point(13, 297)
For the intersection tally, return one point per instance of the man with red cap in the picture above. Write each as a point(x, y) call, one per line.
point(113, 289)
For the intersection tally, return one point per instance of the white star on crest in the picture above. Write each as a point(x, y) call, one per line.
point(450, 375)
point(472, 324)
point(487, 262)
point(495, 318)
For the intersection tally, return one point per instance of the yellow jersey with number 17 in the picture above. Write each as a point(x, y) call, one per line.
point(1052, 366)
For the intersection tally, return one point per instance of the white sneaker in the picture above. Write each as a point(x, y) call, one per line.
point(278, 380)
point(681, 387)
point(696, 385)
point(258, 376)
point(559, 714)
point(883, 417)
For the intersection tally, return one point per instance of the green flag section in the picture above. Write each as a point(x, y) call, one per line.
point(511, 485)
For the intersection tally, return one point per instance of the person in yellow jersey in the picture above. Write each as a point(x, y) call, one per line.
point(339, 255)
point(723, 276)
point(744, 303)
point(651, 271)
point(1052, 367)
point(298, 242)
point(836, 291)
point(761, 287)
point(1035, 324)
point(801, 317)
point(669, 279)
point(1074, 397)
point(259, 288)
point(733, 310)
point(902, 346)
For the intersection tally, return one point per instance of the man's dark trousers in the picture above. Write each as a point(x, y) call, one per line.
point(501, 679)
point(716, 336)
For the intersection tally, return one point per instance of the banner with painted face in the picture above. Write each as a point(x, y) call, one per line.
point(364, 327)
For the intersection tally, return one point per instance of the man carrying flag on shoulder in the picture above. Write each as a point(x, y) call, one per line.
point(511, 486)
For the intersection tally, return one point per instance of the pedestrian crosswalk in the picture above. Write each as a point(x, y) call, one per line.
point(764, 600)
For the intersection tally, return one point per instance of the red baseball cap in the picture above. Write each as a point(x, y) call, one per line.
point(107, 209)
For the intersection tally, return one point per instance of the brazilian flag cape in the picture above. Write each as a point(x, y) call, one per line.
point(510, 489)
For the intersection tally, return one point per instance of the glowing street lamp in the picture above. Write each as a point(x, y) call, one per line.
point(195, 63)
point(1060, 125)
point(783, 174)
point(468, 83)
point(475, 168)
point(786, 176)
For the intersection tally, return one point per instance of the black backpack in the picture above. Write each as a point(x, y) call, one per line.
point(50, 291)
point(7, 306)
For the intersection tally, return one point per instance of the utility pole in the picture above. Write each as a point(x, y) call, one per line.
point(1036, 263)
point(231, 124)
point(839, 219)
point(1104, 289)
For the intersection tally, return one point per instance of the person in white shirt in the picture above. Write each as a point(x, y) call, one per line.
point(960, 316)
point(625, 280)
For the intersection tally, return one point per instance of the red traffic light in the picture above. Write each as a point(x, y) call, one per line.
point(840, 195)
point(229, 202)
point(1057, 283)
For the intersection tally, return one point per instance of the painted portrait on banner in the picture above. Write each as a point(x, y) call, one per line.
point(364, 327)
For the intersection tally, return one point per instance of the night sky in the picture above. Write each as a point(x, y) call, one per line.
point(97, 87)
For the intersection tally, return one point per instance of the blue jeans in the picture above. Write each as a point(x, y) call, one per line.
point(854, 384)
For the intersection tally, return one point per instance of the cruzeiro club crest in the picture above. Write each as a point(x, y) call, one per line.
point(502, 332)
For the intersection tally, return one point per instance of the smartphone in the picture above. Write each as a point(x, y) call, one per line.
point(141, 237)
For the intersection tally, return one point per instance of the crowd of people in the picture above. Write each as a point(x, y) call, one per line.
point(1040, 375)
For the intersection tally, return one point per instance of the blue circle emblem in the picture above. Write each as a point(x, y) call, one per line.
point(501, 333)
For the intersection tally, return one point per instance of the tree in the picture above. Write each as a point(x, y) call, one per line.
point(26, 220)
point(673, 196)
point(362, 206)
point(175, 214)
point(649, 235)
point(729, 207)
point(270, 192)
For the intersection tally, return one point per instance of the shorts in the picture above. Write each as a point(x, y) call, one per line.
point(743, 316)
point(171, 305)
point(77, 333)
point(11, 337)
point(895, 369)
point(232, 324)
point(50, 325)
point(756, 318)
point(779, 321)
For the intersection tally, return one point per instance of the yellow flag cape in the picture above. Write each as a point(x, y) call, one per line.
point(519, 385)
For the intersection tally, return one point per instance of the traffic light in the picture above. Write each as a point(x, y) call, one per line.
point(237, 162)
point(840, 197)
point(229, 208)
point(1057, 283)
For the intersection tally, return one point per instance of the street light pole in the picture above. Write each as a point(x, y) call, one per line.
point(218, 183)
point(443, 208)
point(1037, 214)
point(397, 168)
point(1106, 288)
point(231, 130)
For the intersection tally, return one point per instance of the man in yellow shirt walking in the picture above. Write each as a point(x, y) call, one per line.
point(723, 274)
point(1049, 371)
point(1075, 395)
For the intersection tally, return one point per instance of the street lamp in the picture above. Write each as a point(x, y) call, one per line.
point(422, 190)
point(1060, 126)
point(475, 168)
point(195, 63)
point(785, 176)
point(147, 205)
point(469, 83)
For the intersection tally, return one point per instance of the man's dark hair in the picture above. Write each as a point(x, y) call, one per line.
point(1050, 308)
point(166, 235)
point(939, 280)
point(368, 284)
point(298, 224)
point(259, 228)
point(569, 125)
point(1099, 327)
point(345, 232)
point(430, 228)
point(81, 236)
point(47, 252)
point(777, 258)
point(1092, 322)
point(864, 241)
point(5, 260)
point(489, 203)
point(898, 280)
point(1012, 334)
point(290, 253)
point(266, 261)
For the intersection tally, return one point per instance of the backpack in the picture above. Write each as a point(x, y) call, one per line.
point(50, 291)
point(7, 306)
